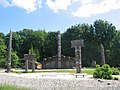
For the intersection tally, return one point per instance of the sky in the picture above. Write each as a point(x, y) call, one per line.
point(54, 15)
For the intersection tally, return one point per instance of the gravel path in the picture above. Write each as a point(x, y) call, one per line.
point(55, 81)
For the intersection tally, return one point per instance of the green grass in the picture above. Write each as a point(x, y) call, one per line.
point(60, 71)
point(47, 71)
point(72, 71)
point(88, 71)
point(11, 87)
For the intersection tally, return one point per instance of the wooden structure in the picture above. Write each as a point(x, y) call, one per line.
point(9, 52)
point(29, 58)
point(52, 62)
point(77, 44)
point(102, 54)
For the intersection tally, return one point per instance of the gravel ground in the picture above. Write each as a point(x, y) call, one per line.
point(57, 81)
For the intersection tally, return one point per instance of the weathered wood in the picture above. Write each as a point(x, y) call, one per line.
point(26, 65)
point(59, 51)
point(66, 61)
point(78, 59)
point(29, 58)
point(9, 52)
point(33, 65)
point(77, 44)
point(82, 74)
point(93, 64)
point(102, 54)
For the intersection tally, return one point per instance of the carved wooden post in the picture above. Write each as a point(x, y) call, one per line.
point(9, 52)
point(26, 65)
point(59, 50)
point(33, 65)
point(26, 62)
point(77, 44)
point(31, 58)
point(93, 63)
point(102, 54)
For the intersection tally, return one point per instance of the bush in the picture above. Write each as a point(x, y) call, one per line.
point(103, 72)
point(106, 72)
point(97, 73)
point(115, 71)
point(2, 63)
point(116, 78)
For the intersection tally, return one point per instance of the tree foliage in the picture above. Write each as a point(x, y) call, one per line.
point(2, 51)
point(44, 44)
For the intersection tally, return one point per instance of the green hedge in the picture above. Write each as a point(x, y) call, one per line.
point(104, 72)
point(115, 71)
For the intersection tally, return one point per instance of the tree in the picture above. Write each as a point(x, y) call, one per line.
point(72, 33)
point(15, 61)
point(104, 34)
point(83, 31)
point(34, 52)
point(114, 58)
point(2, 51)
point(17, 42)
point(51, 44)
point(22, 41)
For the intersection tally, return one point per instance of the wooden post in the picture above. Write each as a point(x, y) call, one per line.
point(9, 53)
point(33, 65)
point(102, 54)
point(59, 50)
point(26, 65)
point(78, 59)
point(77, 44)
point(31, 58)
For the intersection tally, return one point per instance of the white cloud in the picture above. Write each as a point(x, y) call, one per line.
point(5, 3)
point(28, 5)
point(39, 3)
point(86, 1)
point(58, 4)
point(78, 8)
point(90, 7)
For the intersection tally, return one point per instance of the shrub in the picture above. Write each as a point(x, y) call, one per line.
point(97, 73)
point(103, 72)
point(106, 72)
point(116, 78)
point(115, 71)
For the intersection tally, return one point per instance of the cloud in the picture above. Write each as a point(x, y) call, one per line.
point(39, 3)
point(58, 5)
point(88, 8)
point(28, 5)
point(5, 3)
point(77, 8)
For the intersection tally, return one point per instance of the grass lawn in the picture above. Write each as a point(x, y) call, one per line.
point(72, 71)
point(88, 71)
point(11, 87)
